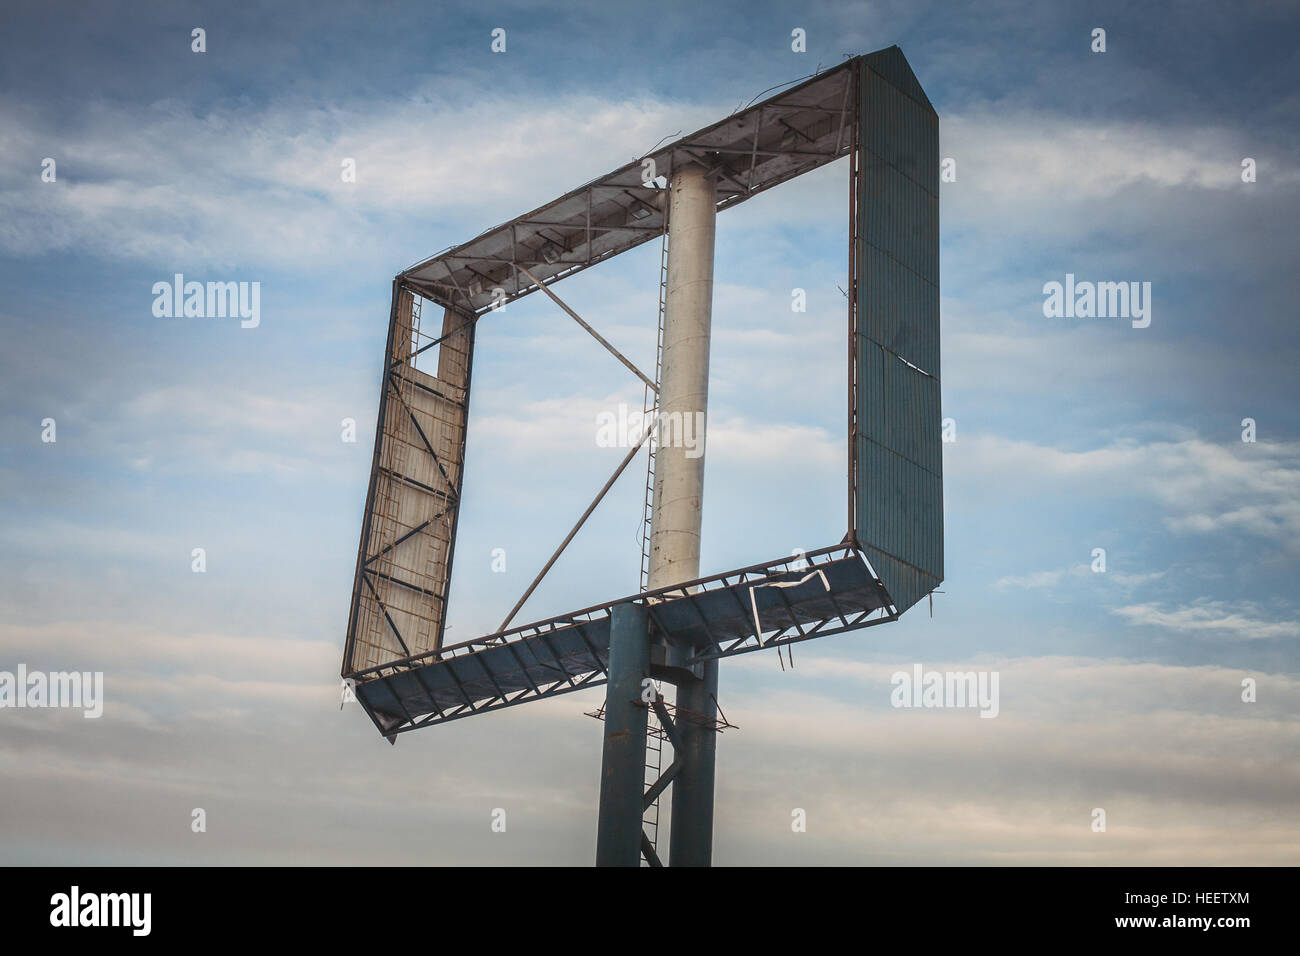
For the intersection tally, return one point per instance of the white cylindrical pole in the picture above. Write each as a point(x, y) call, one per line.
point(684, 381)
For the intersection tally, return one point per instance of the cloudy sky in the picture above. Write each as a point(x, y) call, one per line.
point(1120, 690)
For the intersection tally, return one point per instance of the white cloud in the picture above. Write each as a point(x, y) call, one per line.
point(1203, 485)
point(239, 187)
point(1031, 581)
point(1171, 752)
point(1218, 617)
point(1028, 156)
point(1036, 580)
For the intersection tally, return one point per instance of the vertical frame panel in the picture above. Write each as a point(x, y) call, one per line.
point(404, 560)
point(895, 426)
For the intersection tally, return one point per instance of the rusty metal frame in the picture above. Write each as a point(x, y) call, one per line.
point(847, 136)
point(391, 371)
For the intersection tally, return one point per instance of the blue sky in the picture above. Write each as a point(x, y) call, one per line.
point(1120, 690)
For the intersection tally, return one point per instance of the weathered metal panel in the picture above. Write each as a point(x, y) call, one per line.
point(404, 561)
point(899, 511)
point(896, 307)
point(893, 67)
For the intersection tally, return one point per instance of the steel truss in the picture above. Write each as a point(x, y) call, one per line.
point(829, 591)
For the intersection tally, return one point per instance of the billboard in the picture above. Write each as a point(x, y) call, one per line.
point(870, 109)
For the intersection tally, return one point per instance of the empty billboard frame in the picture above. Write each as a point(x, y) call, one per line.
point(872, 110)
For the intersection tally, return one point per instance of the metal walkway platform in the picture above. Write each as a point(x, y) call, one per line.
point(828, 591)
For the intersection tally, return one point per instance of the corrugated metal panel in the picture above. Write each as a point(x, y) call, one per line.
point(896, 306)
point(899, 448)
point(893, 66)
point(901, 129)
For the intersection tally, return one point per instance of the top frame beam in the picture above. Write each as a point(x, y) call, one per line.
point(764, 145)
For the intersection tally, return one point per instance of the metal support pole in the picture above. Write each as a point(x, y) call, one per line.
point(679, 487)
point(622, 767)
point(684, 386)
point(691, 840)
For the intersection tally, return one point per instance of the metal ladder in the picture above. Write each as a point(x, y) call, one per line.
point(654, 737)
point(416, 302)
point(654, 750)
point(649, 406)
